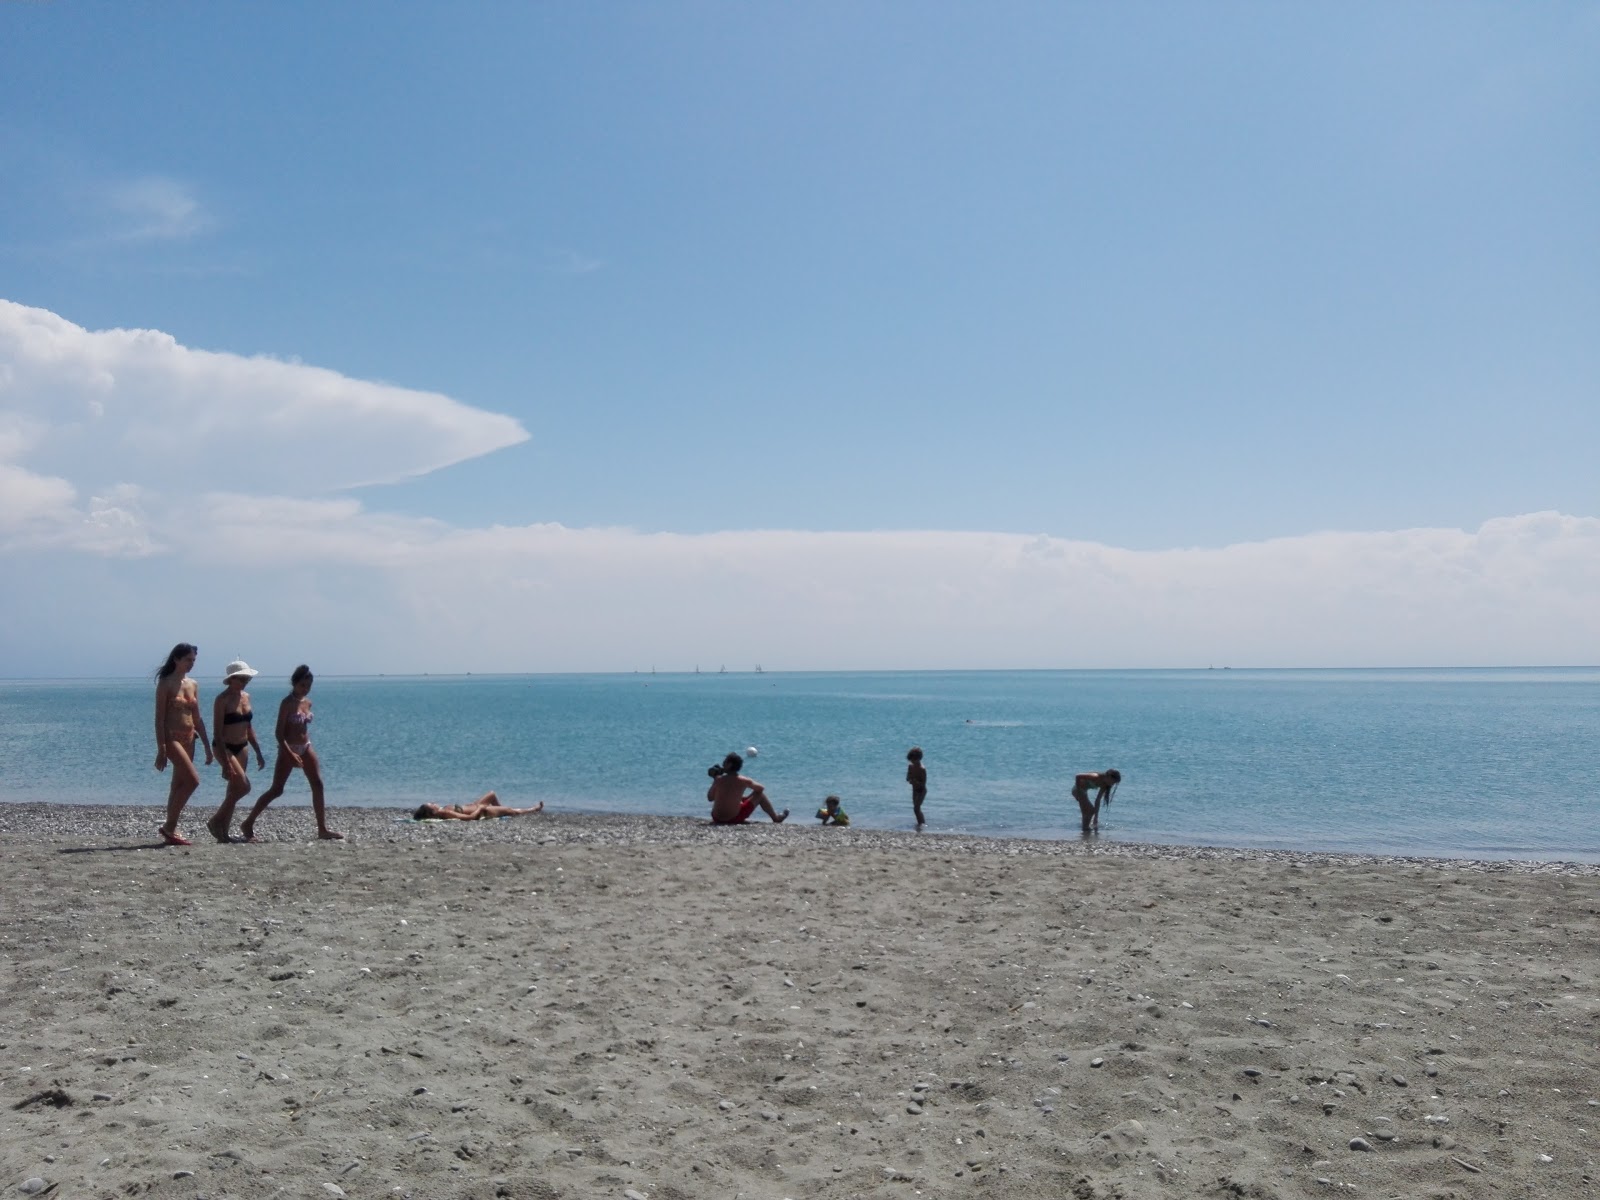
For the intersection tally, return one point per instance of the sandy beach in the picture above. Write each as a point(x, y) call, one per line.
point(573, 1006)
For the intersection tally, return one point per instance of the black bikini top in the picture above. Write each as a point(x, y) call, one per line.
point(237, 718)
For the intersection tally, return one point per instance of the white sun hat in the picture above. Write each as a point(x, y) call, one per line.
point(238, 667)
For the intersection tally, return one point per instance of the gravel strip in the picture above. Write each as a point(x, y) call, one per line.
point(92, 825)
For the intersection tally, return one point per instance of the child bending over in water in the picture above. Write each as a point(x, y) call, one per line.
point(1104, 783)
point(831, 814)
point(485, 808)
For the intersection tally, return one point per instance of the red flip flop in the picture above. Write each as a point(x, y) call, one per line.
point(174, 839)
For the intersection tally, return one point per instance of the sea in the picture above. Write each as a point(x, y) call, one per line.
point(1461, 763)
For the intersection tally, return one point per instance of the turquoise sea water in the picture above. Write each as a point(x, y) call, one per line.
point(1461, 763)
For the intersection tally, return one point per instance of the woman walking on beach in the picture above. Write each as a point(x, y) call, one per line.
point(917, 777)
point(233, 720)
point(178, 723)
point(293, 732)
point(1103, 783)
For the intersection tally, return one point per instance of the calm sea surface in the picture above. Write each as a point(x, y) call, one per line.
point(1458, 763)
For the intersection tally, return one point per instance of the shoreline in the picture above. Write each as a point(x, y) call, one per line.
point(40, 821)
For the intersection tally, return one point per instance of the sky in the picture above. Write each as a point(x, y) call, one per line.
point(398, 337)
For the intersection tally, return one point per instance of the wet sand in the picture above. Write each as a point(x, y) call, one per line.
point(568, 1006)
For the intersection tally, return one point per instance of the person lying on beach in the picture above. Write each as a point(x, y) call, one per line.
point(1103, 783)
point(178, 724)
point(831, 814)
point(734, 798)
point(485, 808)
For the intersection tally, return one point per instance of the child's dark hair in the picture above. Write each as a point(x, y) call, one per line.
point(830, 802)
point(914, 754)
point(301, 672)
point(731, 765)
point(181, 650)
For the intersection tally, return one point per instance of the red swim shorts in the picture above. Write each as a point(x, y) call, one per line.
point(746, 807)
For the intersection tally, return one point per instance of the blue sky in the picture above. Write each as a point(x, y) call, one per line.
point(692, 288)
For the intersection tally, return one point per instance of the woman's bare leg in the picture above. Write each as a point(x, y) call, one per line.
point(314, 778)
point(500, 810)
point(238, 781)
point(1086, 809)
point(280, 776)
point(185, 779)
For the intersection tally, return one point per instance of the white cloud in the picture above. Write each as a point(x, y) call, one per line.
point(176, 541)
point(156, 208)
point(125, 406)
point(376, 592)
point(32, 501)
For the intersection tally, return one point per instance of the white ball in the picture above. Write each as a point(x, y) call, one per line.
point(751, 752)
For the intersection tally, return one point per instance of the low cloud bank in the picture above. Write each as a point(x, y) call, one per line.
point(364, 592)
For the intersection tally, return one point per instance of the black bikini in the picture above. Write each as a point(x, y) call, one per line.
point(236, 718)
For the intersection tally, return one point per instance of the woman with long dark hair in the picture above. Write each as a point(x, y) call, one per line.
point(1102, 783)
point(178, 724)
point(293, 732)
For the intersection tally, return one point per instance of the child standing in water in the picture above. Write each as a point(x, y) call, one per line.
point(917, 777)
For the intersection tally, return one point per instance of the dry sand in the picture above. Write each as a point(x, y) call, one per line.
point(571, 1006)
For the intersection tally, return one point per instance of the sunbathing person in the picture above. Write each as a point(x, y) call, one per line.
point(485, 808)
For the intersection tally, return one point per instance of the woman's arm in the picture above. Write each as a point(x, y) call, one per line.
point(250, 736)
point(281, 729)
point(200, 726)
point(161, 726)
point(219, 725)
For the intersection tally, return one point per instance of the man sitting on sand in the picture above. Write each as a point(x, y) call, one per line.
point(734, 798)
point(484, 808)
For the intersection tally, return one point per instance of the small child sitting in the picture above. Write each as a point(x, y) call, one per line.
point(831, 814)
